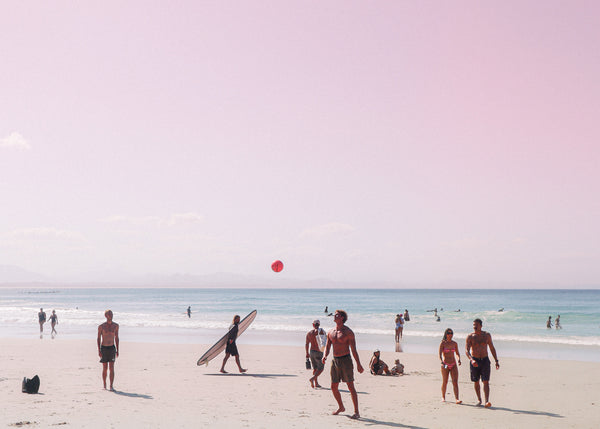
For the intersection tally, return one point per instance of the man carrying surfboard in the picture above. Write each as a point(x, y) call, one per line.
point(313, 351)
point(343, 341)
point(231, 348)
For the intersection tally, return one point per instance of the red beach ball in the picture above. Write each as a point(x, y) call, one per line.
point(277, 266)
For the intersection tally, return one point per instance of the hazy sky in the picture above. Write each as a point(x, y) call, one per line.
point(410, 142)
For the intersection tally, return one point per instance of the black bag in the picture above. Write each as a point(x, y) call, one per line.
point(31, 385)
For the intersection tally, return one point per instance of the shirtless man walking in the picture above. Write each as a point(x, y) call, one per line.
point(314, 353)
point(343, 341)
point(108, 346)
point(476, 350)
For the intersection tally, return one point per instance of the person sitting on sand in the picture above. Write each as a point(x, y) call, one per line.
point(398, 368)
point(231, 348)
point(378, 367)
point(448, 348)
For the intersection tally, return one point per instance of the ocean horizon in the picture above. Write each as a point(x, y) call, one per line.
point(158, 314)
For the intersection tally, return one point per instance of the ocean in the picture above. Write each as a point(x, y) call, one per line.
point(285, 315)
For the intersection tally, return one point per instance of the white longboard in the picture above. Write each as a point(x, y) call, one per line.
point(220, 345)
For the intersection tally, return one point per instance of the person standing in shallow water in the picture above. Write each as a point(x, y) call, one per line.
point(108, 346)
point(477, 351)
point(42, 320)
point(231, 348)
point(53, 322)
point(343, 341)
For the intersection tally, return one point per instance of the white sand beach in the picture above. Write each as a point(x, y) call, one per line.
point(160, 386)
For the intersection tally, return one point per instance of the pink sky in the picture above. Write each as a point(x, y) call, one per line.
point(410, 142)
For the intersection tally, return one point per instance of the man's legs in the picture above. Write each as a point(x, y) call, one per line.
point(316, 373)
point(338, 398)
point(486, 392)
point(111, 366)
point(354, 399)
point(104, 368)
point(477, 391)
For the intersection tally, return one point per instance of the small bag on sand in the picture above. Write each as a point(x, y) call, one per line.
point(31, 385)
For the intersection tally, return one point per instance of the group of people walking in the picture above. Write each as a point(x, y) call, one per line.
point(477, 345)
point(42, 320)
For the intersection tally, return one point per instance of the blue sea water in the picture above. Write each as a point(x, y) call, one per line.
point(285, 315)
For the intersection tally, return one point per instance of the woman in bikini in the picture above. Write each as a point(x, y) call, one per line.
point(448, 348)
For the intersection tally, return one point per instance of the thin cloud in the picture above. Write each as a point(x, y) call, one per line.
point(328, 229)
point(184, 219)
point(46, 233)
point(175, 219)
point(15, 141)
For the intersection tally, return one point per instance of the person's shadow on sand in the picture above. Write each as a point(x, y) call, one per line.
point(390, 424)
point(512, 410)
point(246, 374)
point(132, 395)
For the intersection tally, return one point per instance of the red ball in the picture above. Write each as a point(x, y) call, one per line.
point(277, 266)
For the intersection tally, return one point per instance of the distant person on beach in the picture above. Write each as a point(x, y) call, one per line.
point(377, 366)
point(399, 327)
point(398, 368)
point(549, 322)
point(53, 322)
point(41, 320)
point(314, 353)
point(406, 316)
point(477, 351)
point(231, 348)
point(108, 346)
point(557, 322)
point(448, 348)
point(343, 341)
point(189, 311)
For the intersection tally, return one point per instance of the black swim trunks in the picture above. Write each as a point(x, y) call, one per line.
point(481, 370)
point(108, 353)
point(232, 349)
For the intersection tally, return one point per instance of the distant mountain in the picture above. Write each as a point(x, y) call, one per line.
point(14, 274)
